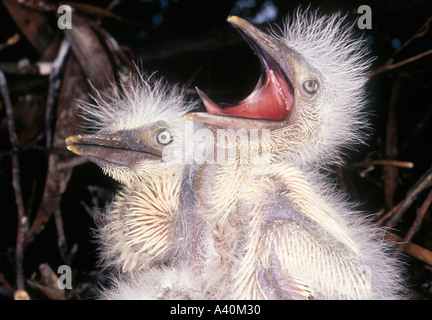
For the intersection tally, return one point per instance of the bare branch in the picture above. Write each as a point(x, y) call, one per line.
point(391, 66)
point(22, 218)
point(419, 218)
point(424, 182)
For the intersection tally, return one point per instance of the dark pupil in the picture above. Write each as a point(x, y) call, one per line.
point(310, 84)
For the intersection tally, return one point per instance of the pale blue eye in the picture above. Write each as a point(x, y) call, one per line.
point(310, 86)
point(164, 137)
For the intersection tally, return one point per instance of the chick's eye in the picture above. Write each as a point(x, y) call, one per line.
point(164, 137)
point(310, 86)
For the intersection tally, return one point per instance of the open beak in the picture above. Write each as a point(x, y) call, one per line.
point(271, 102)
point(125, 149)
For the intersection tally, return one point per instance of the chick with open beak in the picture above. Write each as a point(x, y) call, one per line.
point(282, 229)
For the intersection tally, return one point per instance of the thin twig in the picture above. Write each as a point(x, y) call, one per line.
point(419, 218)
point(113, 4)
point(61, 238)
point(387, 215)
point(412, 249)
point(393, 163)
point(4, 282)
point(424, 182)
point(390, 65)
point(22, 218)
point(391, 147)
point(420, 33)
point(384, 162)
point(53, 89)
point(387, 67)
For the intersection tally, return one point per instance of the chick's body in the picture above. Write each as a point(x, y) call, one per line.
point(281, 228)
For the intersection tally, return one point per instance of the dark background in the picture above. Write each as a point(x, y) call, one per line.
point(189, 42)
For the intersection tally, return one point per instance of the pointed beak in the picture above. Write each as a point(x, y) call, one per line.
point(124, 149)
point(233, 122)
point(271, 102)
point(257, 39)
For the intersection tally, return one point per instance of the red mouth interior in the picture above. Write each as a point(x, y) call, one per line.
point(271, 99)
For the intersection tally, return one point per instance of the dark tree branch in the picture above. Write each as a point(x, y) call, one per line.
point(424, 182)
point(22, 218)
